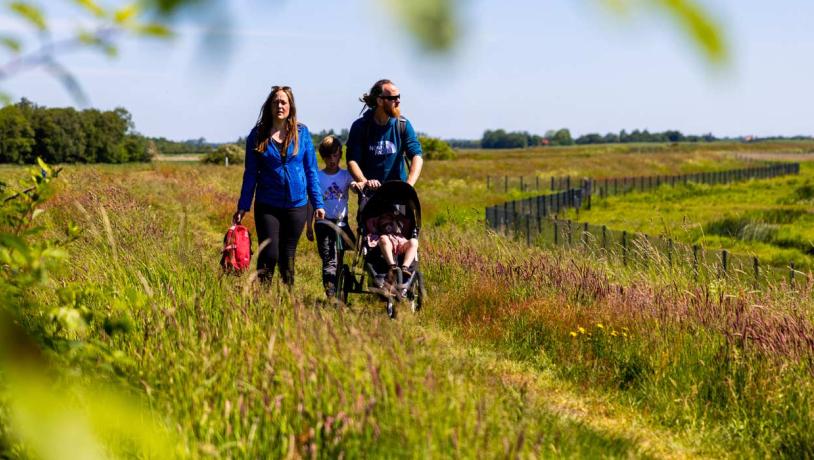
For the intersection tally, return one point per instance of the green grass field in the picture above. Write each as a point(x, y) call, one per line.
point(520, 352)
point(771, 219)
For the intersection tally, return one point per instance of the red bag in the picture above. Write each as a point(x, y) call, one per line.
point(237, 249)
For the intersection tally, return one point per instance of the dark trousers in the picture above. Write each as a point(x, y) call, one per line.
point(325, 237)
point(282, 227)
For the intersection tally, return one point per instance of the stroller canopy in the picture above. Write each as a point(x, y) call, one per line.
point(390, 195)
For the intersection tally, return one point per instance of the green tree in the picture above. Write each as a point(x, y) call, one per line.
point(435, 149)
point(562, 137)
point(16, 135)
point(231, 151)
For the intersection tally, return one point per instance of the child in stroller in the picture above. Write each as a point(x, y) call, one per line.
point(388, 232)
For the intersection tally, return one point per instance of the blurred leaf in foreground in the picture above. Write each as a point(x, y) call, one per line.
point(693, 20)
point(433, 23)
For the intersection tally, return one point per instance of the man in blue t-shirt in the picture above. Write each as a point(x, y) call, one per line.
point(381, 138)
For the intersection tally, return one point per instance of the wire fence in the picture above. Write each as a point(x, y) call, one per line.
point(639, 251)
point(605, 186)
point(544, 205)
point(534, 219)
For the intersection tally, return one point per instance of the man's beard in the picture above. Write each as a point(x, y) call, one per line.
point(392, 111)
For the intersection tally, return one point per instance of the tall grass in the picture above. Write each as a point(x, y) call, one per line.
point(241, 371)
point(737, 363)
point(519, 351)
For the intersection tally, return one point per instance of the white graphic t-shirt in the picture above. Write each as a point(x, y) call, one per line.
point(335, 188)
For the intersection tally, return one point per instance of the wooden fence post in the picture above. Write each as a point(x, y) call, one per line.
point(695, 262)
point(757, 272)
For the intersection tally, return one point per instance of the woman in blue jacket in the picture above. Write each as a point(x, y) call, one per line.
point(280, 175)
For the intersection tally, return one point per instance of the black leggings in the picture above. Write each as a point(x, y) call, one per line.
point(283, 226)
point(326, 246)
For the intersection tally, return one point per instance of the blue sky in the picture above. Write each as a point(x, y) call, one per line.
point(520, 65)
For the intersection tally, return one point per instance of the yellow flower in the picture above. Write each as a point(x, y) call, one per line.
point(573, 334)
point(624, 334)
point(600, 326)
point(581, 329)
point(614, 334)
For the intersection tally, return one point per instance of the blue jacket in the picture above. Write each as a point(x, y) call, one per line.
point(269, 180)
point(378, 149)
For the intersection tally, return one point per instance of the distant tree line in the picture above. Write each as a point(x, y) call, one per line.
point(501, 139)
point(169, 147)
point(66, 135)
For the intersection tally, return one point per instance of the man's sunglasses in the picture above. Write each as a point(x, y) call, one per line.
point(394, 97)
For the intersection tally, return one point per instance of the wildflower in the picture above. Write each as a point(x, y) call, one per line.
point(581, 329)
point(573, 334)
point(600, 326)
point(624, 334)
point(614, 334)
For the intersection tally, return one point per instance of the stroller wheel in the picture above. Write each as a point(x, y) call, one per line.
point(345, 280)
point(390, 306)
point(417, 293)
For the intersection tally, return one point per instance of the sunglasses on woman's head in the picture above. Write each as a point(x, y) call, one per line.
point(277, 88)
point(394, 97)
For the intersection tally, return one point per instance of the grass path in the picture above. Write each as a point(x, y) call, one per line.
point(580, 406)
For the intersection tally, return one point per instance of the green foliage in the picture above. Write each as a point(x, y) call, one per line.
point(16, 135)
point(500, 139)
point(30, 13)
point(44, 412)
point(192, 146)
point(433, 23)
point(232, 152)
point(697, 24)
point(561, 137)
point(435, 149)
point(65, 135)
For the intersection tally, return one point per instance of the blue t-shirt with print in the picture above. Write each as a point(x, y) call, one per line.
point(377, 149)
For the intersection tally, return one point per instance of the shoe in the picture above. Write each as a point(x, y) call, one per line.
point(330, 290)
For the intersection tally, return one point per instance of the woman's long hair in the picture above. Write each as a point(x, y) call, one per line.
point(375, 91)
point(263, 133)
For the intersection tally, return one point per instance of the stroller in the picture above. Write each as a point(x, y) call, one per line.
point(368, 271)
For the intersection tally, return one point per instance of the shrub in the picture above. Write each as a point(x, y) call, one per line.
point(436, 149)
point(231, 151)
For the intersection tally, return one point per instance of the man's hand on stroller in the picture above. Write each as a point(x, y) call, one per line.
point(371, 184)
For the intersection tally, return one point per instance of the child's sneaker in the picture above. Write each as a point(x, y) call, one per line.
point(330, 290)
